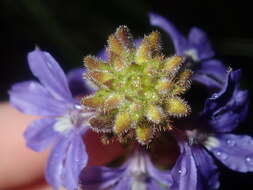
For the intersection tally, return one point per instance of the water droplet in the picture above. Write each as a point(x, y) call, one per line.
point(77, 160)
point(221, 155)
point(49, 65)
point(215, 95)
point(230, 142)
point(78, 107)
point(249, 160)
point(182, 171)
point(170, 182)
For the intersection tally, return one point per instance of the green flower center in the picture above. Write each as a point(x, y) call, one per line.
point(138, 88)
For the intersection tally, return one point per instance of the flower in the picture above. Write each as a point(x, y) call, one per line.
point(138, 173)
point(222, 112)
point(197, 48)
point(138, 93)
point(194, 169)
point(139, 89)
point(63, 123)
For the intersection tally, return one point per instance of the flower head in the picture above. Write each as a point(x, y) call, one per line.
point(139, 89)
point(64, 120)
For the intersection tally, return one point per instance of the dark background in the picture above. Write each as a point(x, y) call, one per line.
point(70, 30)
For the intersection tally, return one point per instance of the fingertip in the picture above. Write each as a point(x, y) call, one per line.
point(19, 165)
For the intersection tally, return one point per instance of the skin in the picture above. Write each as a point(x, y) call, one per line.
point(22, 168)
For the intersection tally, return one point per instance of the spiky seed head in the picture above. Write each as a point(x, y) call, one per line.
point(163, 85)
point(101, 123)
point(138, 88)
point(144, 133)
point(172, 65)
point(112, 102)
point(118, 63)
point(184, 78)
point(143, 53)
point(101, 78)
point(93, 101)
point(125, 38)
point(93, 63)
point(122, 122)
point(177, 107)
point(115, 45)
point(154, 113)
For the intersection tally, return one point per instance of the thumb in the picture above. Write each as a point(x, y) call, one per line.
point(21, 167)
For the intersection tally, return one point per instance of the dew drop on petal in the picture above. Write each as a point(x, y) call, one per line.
point(170, 183)
point(249, 160)
point(218, 153)
point(230, 142)
point(49, 65)
point(222, 155)
point(215, 96)
point(78, 106)
point(182, 171)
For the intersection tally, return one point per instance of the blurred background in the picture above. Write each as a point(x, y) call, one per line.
point(70, 30)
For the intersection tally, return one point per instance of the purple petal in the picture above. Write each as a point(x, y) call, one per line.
point(137, 42)
point(163, 177)
point(66, 161)
point(208, 176)
point(184, 172)
point(95, 178)
point(199, 41)
point(76, 160)
point(177, 38)
point(234, 151)
point(32, 98)
point(77, 84)
point(211, 73)
point(50, 74)
point(229, 107)
point(154, 186)
point(40, 134)
point(231, 84)
point(102, 54)
point(125, 183)
point(55, 164)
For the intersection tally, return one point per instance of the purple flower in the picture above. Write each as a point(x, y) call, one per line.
point(63, 122)
point(138, 173)
point(226, 109)
point(195, 169)
point(196, 48)
point(223, 112)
